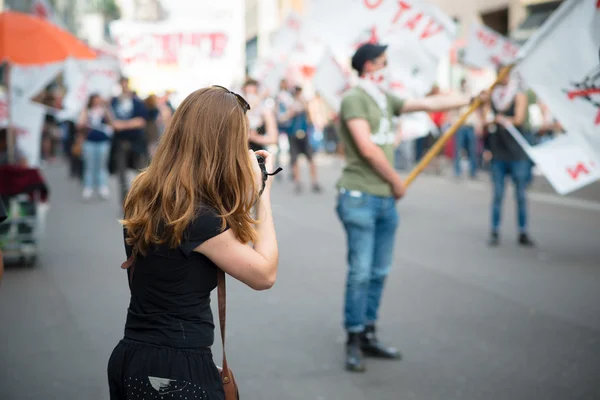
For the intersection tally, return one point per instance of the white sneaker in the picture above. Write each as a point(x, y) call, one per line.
point(104, 192)
point(87, 193)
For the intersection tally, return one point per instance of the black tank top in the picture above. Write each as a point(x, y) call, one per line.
point(503, 145)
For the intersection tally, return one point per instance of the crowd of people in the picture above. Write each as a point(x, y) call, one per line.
point(180, 201)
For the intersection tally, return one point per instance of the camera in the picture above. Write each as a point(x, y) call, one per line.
point(265, 174)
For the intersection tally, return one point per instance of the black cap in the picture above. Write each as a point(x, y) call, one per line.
point(366, 52)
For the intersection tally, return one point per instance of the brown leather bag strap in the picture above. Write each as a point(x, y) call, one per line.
point(222, 300)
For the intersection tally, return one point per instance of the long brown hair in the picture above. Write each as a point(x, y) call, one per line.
point(202, 160)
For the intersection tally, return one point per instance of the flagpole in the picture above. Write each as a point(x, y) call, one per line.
point(439, 144)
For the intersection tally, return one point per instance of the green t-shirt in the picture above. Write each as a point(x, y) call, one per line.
point(358, 173)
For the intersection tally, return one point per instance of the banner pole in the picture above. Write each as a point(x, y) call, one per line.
point(439, 144)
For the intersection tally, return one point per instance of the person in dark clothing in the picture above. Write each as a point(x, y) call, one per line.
point(509, 106)
point(187, 216)
point(130, 120)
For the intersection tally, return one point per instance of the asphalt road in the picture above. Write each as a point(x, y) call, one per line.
point(473, 322)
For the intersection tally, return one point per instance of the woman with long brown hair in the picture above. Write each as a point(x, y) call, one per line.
point(188, 214)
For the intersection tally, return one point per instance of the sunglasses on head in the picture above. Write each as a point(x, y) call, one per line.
point(243, 103)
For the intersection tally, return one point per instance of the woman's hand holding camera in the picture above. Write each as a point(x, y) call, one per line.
point(258, 173)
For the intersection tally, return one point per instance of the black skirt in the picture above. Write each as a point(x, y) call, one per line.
point(141, 371)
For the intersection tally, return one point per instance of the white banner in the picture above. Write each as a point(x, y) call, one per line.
point(86, 77)
point(413, 70)
point(564, 161)
point(337, 22)
point(27, 81)
point(287, 36)
point(3, 110)
point(27, 121)
point(487, 48)
point(561, 64)
point(184, 54)
point(77, 90)
point(330, 81)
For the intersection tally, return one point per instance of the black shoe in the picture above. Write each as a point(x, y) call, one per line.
point(525, 240)
point(494, 239)
point(354, 356)
point(317, 188)
point(371, 346)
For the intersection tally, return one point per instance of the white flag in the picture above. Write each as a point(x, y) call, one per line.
point(28, 81)
point(487, 48)
point(330, 80)
point(340, 23)
point(561, 63)
point(564, 161)
point(27, 121)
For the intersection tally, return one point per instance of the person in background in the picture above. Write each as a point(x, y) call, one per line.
point(130, 120)
point(300, 141)
point(367, 193)
point(320, 115)
point(263, 126)
point(466, 137)
point(508, 105)
point(50, 130)
point(283, 102)
point(168, 102)
point(95, 124)
point(152, 123)
point(20, 158)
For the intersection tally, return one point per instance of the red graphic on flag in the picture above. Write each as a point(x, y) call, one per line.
point(579, 169)
point(371, 37)
point(589, 90)
point(372, 4)
point(294, 24)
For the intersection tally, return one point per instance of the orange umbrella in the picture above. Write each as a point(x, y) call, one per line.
point(25, 39)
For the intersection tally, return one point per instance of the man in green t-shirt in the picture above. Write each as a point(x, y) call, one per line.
point(368, 190)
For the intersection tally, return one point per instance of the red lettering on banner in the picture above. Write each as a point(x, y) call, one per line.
point(395, 85)
point(510, 49)
point(402, 6)
point(413, 22)
point(487, 39)
point(496, 60)
point(218, 44)
point(431, 29)
point(372, 4)
point(372, 38)
point(597, 121)
point(580, 168)
point(294, 24)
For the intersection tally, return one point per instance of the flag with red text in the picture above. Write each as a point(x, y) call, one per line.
point(561, 63)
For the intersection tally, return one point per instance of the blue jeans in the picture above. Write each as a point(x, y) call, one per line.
point(519, 173)
point(370, 223)
point(95, 164)
point(465, 139)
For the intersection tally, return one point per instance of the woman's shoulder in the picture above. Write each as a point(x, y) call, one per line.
point(206, 224)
